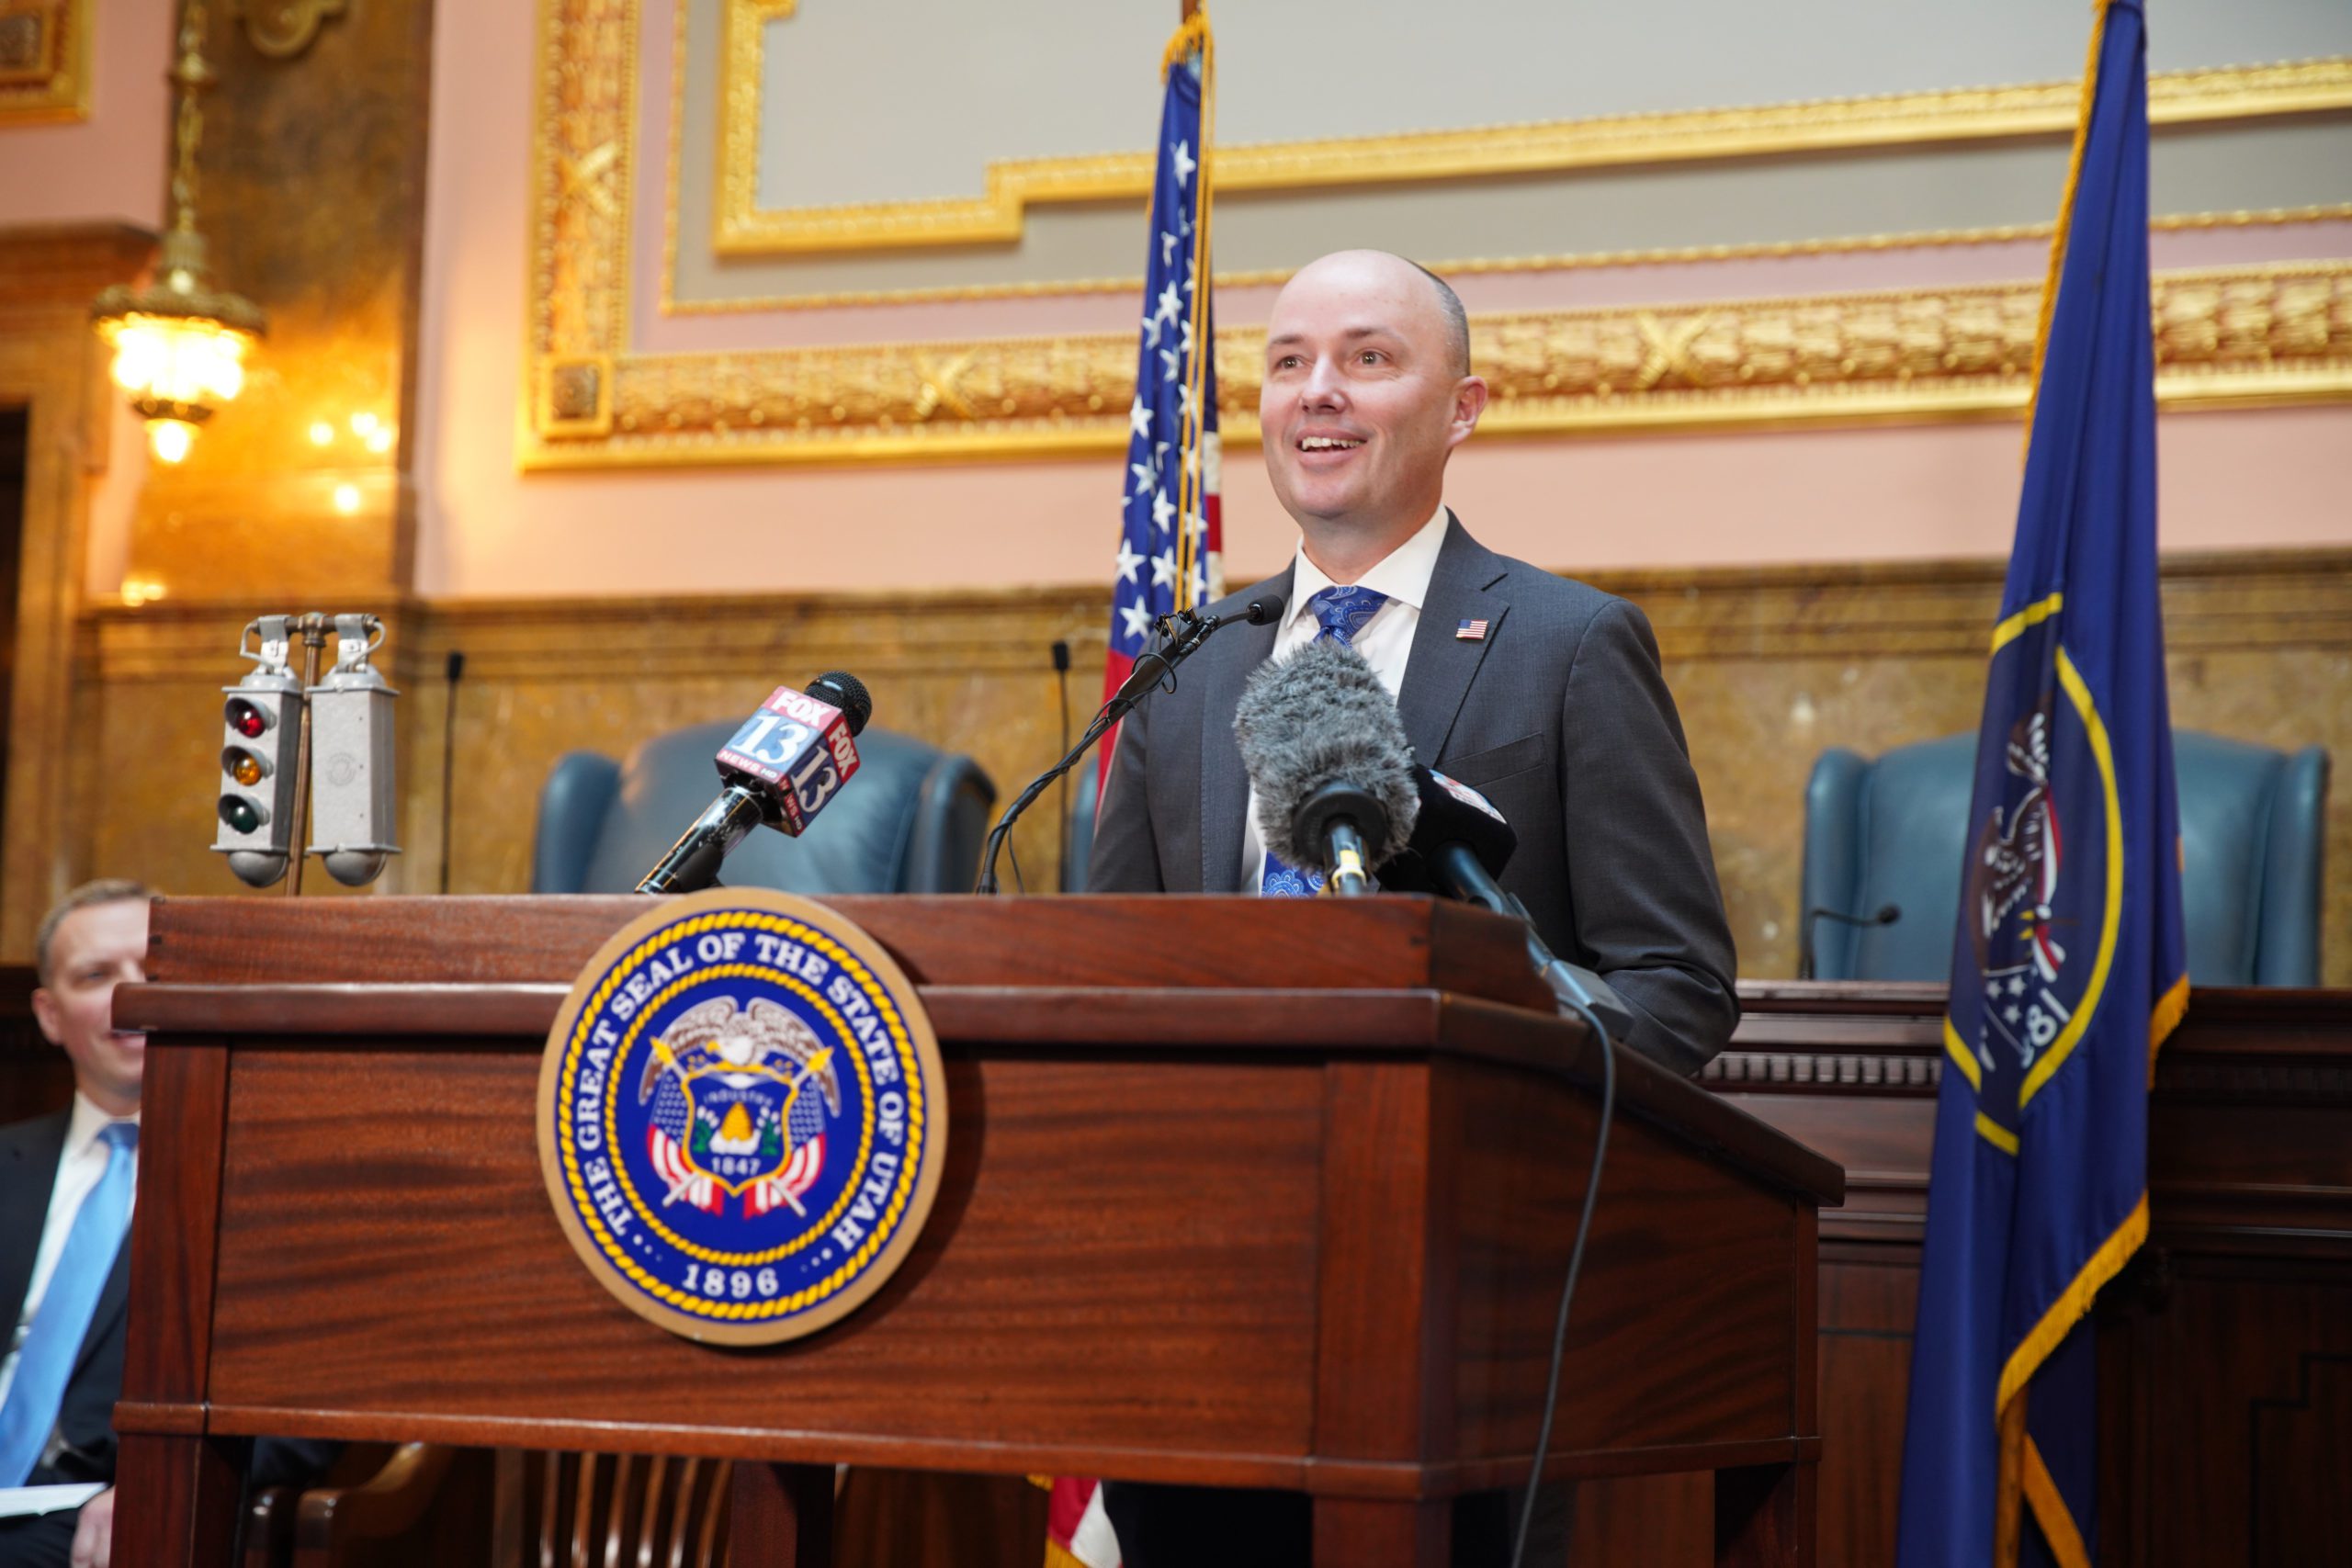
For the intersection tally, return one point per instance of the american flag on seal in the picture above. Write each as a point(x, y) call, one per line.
point(1170, 535)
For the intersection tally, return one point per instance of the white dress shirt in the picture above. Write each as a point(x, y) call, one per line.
point(79, 1167)
point(1386, 641)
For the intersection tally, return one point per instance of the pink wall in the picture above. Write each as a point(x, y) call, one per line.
point(2231, 481)
point(110, 166)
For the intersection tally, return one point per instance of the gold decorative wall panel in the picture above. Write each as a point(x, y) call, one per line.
point(2249, 335)
point(740, 227)
point(594, 398)
point(1769, 667)
point(45, 48)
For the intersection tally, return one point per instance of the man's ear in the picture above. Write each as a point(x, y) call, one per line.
point(1469, 403)
point(45, 1013)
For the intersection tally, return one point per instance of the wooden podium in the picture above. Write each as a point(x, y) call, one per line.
point(1238, 1192)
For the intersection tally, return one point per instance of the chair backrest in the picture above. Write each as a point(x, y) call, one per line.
point(910, 821)
point(571, 1510)
point(1895, 829)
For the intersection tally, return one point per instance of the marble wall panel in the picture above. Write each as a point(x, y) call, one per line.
point(1769, 667)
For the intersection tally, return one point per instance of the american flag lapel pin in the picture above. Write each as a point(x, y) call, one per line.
point(1471, 631)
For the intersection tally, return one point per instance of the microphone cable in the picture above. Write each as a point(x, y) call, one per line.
point(1576, 1265)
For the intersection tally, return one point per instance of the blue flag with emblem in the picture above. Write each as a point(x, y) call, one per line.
point(2068, 966)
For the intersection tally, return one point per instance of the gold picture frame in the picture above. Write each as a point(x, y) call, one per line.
point(2237, 335)
point(45, 48)
point(740, 227)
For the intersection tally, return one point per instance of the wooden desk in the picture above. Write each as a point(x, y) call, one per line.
point(2225, 1351)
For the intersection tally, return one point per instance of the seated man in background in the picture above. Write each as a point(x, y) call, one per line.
point(66, 1185)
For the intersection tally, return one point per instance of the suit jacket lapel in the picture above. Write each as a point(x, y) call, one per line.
point(27, 1172)
point(1229, 658)
point(114, 1300)
point(1439, 672)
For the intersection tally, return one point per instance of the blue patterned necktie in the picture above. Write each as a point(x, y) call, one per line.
point(1341, 613)
point(55, 1337)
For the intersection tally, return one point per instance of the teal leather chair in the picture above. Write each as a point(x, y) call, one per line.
point(1894, 831)
point(909, 821)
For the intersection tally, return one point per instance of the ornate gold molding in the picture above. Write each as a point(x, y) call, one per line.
point(1578, 261)
point(44, 60)
point(740, 227)
point(2248, 334)
point(2271, 333)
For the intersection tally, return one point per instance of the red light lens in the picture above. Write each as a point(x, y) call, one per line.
point(247, 720)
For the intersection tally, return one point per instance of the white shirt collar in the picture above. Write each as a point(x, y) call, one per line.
point(82, 1129)
point(1403, 574)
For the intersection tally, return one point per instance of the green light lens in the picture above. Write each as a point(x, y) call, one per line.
point(240, 813)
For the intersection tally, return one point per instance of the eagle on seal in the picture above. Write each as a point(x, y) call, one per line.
point(764, 1039)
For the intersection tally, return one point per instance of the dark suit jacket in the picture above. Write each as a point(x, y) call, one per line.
point(1560, 716)
point(29, 1156)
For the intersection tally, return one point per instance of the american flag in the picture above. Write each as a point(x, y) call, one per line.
point(1170, 537)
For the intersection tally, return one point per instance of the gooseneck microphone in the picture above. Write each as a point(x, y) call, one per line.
point(1328, 756)
point(1182, 635)
point(1886, 915)
point(779, 768)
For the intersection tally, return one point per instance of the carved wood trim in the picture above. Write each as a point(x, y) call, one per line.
point(51, 364)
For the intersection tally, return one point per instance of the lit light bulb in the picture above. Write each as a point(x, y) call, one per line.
point(320, 432)
point(169, 439)
point(380, 439)
point(364, 423)
point(346, 498)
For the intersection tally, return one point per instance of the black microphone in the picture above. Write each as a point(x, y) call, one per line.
point(1886, 915)
point(1459, 847)
point(1182, 637)
point(779, 768)
point(1328, 756)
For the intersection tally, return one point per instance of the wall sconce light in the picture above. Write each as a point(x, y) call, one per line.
point(180, 344)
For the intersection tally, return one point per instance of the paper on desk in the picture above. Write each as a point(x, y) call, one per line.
point(15, 1502)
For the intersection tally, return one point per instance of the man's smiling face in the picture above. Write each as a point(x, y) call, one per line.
point(1364, 396)
point(93, 950)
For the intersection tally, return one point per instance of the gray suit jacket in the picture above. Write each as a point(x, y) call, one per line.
point(1560, 716)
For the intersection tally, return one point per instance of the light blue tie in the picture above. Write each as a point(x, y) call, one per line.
point(55, 1337)
point(1342, 612)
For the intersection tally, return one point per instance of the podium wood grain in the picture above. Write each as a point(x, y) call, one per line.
point(1236, 1193)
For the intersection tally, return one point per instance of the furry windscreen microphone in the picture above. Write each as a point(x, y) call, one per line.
point(1321, 718)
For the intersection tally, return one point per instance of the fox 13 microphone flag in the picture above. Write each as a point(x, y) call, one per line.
point(1170, 537)
point(2068, 967)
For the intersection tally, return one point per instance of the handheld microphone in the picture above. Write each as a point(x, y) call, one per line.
point(1460, 845)
point(1886, 915)
point(1328, 756)
point(779, 768)
point(1185, 633)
